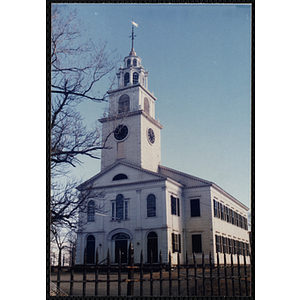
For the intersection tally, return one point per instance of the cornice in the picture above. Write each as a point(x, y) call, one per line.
point(131, 87)
point(229, 196)
point(127, 184)
point(129, 114)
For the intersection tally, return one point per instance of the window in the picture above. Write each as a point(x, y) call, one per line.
point(124, 104)
point(146, 105)
point(232, 217)
point(244, 248)
point(224, 242)
point(195, 207)
point(151, 206)
point(173, 205)
point(120, 209)
point(215, 208)
point(196, 243)
point(120, 177)
point(128, 62)
point(227, 214)
point(245, 223)
point(134, 62)
point(218, 244)
point(240, 248)
point(247, 249)
point(222, 211)
point(126, 79)
point(176, 242)
point(135, 78)
point(219, 210)
point(91, 211)
point(229, 246)
point(236, 220)
point(235, 247)
point(240, 221)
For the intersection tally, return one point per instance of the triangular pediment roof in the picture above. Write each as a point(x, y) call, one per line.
point(135, 175)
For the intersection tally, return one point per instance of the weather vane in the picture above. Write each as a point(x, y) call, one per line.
point(132, 34)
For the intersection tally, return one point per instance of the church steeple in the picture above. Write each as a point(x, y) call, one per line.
point(131, 118)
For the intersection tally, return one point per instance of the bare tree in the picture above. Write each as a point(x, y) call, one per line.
point(77, 67)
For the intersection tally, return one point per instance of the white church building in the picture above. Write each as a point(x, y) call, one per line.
point(153, 206)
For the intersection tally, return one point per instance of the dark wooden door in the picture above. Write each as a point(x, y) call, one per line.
point(121, 245)
point(90, 249)
point(152, 247)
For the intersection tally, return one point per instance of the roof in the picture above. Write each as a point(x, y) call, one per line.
point(190, 181)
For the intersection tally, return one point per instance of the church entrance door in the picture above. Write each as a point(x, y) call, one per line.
point(121, 244)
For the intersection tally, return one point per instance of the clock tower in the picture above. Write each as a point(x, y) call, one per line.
point(130, 131)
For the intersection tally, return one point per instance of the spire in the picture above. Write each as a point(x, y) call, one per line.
point(132, 52)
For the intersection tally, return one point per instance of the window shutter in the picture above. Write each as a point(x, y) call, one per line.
point(179, 243)
point(173, 242)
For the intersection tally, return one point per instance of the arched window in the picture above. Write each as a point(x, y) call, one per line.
point(134, 62)
point(120, 207)
point(128, 62)
point(151, 206)
point(146, 106)
point(126, 79)
point(90, 249)
point(135, 78)
point(152, 249)
point(124, 104)
point(120, 177)
point(91, 211)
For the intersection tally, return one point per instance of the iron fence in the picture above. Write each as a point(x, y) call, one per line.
point(155, 279)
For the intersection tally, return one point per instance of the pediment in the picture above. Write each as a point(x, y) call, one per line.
point(121, 173)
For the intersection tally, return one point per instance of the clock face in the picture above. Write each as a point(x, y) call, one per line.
point(151, 136)
point(121, 132)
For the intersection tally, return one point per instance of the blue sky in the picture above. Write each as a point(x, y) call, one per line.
point(198, 58)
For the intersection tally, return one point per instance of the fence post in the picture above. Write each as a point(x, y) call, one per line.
point(96, 272)
point(141, 274)
point(203, 273)
point(218, 272)
point(239, 274)
point(119, 273)
point(246, 277)
point(225, 274)
point(178, 274)
point(130, 283)
point(160, 274)
point(58, 273)
point(232, 274)
point(108, 274)
point(210, 274)
point(195, 274)
point(187, 274)
point(170, 274)
point(72, 275)
point(151, 273)
point(84, 274)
